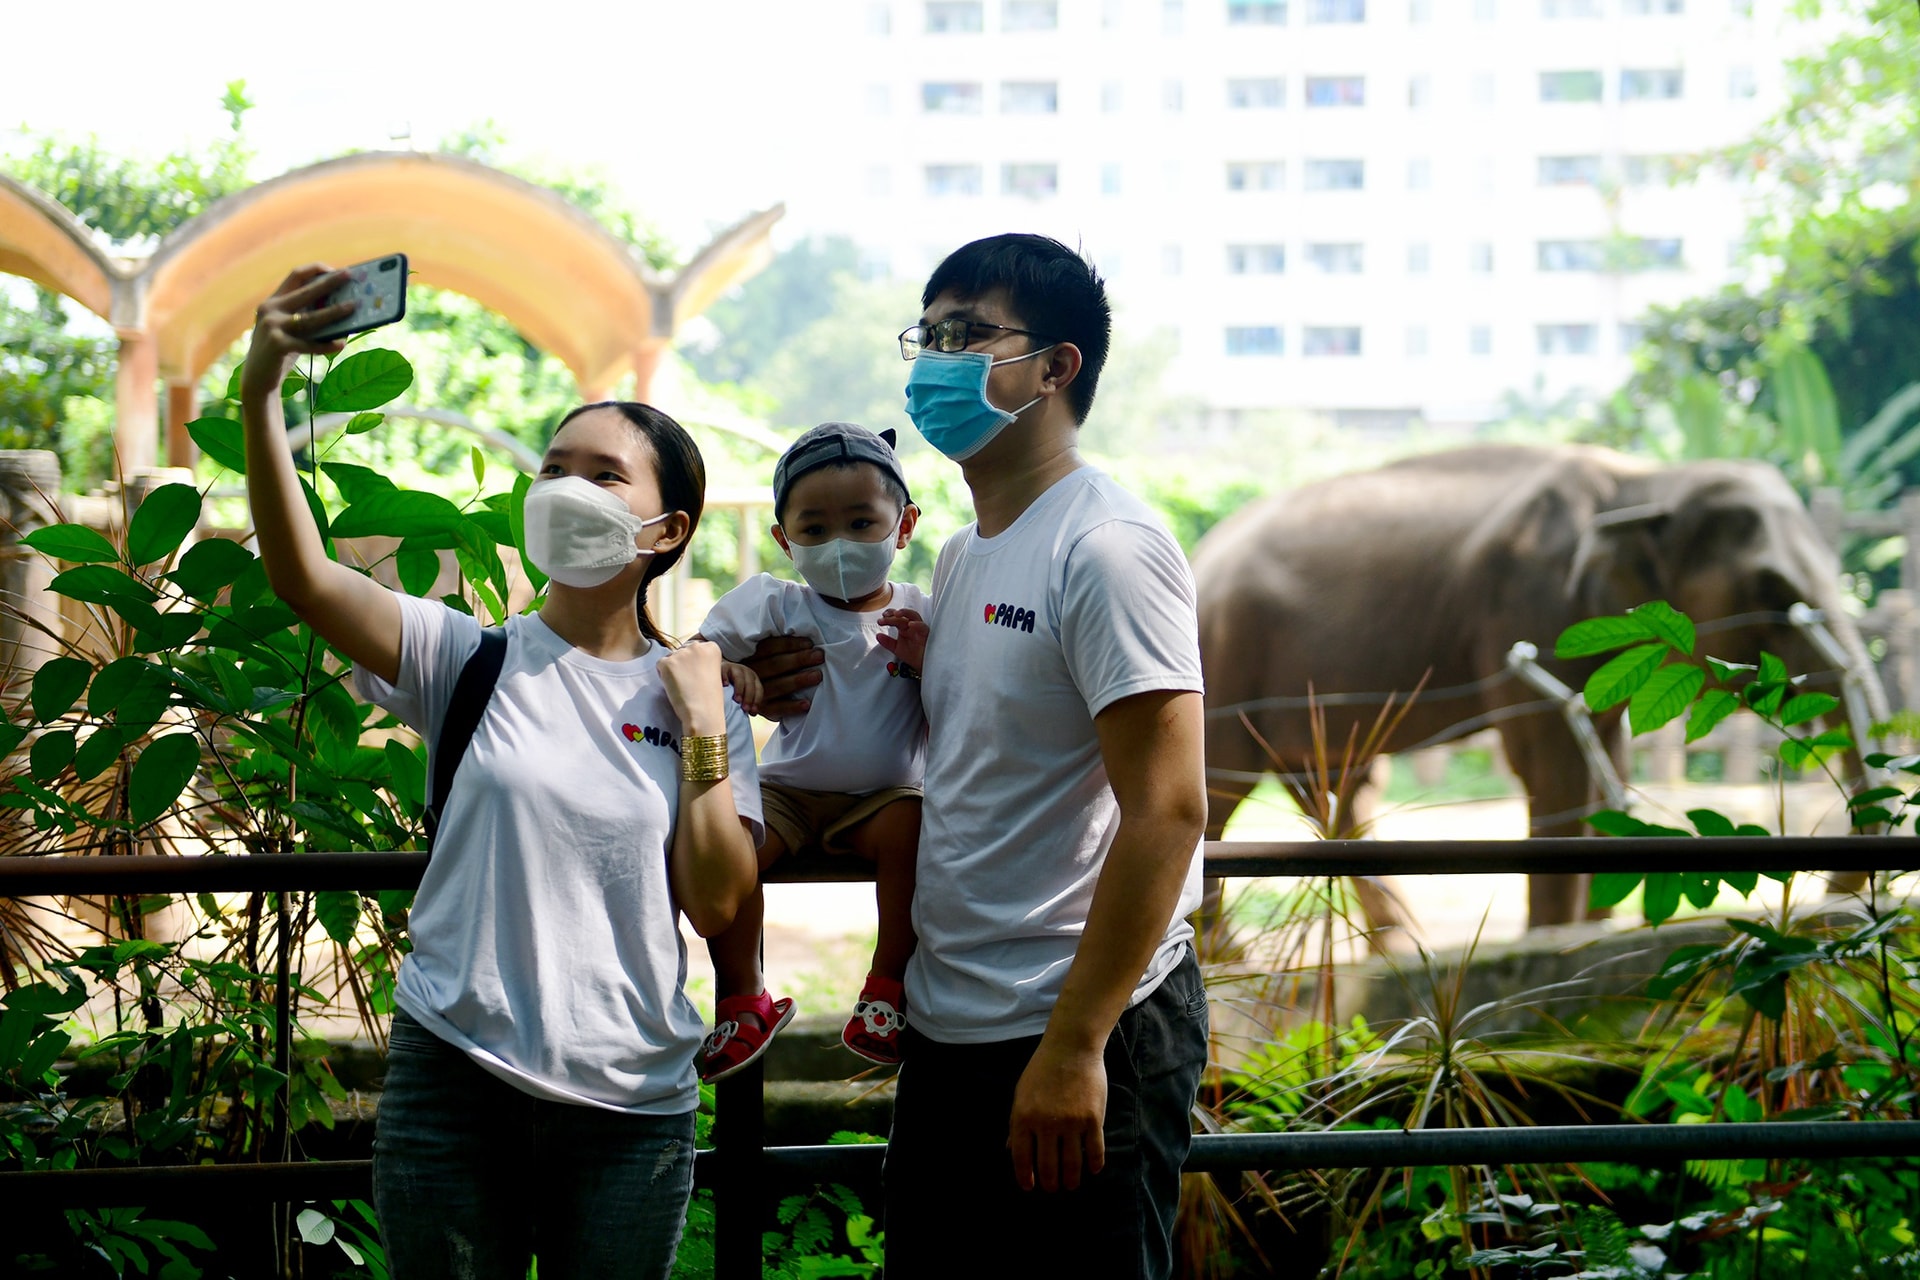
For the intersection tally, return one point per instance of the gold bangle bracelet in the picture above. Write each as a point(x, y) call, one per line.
point(703, 757)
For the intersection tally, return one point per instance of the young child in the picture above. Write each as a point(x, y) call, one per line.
point(845, 777)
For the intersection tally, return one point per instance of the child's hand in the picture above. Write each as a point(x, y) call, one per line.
point(910, 645)
point(746, 686)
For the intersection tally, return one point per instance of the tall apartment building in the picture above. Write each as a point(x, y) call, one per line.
point(1383, 209)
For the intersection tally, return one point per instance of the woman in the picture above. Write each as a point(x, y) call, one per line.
point(540, 1088)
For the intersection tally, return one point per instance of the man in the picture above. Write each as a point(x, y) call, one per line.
point(1056, 1021)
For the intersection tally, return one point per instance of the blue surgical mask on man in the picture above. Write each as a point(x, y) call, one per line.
point(947, 400)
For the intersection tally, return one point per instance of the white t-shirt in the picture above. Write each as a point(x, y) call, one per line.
point(546, 940)
point(864, 730)
point(1083, 600)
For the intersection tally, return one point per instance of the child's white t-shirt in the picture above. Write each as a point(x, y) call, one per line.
point(1084, 600)
point(863, 730)
point(546, 939)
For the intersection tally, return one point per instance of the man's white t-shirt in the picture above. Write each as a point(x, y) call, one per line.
point(546, 939)
point(863, 730)
point(1083, 600)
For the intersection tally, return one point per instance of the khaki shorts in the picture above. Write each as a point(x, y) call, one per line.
point(807, 820)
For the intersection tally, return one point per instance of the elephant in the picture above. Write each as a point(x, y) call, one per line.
point(1436, 565)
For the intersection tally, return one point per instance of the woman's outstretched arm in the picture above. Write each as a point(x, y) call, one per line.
point(354, 613)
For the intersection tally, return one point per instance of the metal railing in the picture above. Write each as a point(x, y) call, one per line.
point(744, 1172)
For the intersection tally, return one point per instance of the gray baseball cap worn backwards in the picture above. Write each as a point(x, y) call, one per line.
point(830, 443)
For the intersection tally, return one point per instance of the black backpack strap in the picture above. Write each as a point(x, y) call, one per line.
point(471, 693)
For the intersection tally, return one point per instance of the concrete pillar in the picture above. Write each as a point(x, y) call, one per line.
point(183, 404)
point(1899, 617)
point(645, 364)
point(136, 431)
point(29, 482)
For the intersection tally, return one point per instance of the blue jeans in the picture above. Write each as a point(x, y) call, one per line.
point(952, 1206)
point(472, 1177)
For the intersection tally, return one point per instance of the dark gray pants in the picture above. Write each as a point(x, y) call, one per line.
point(952, 1207)
point(471, 1177)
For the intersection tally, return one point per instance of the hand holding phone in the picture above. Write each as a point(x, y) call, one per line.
point(378, 290)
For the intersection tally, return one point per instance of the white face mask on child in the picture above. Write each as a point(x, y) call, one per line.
point(579, 534)
point(845, 569)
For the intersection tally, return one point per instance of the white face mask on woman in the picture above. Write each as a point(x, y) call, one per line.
point(845, 569)
point(579, 534)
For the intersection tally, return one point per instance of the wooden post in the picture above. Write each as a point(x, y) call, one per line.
point(183, 402)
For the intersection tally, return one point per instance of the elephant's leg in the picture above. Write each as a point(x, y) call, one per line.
point(1542, 752)
point(1234, 767)
point(1386, 918)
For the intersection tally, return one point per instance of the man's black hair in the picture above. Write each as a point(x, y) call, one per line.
point(1051, 289)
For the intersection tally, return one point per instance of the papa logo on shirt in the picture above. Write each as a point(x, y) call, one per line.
point(1009, 616)
point(652, 735)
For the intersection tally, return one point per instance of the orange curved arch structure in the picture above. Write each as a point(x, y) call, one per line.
point(41, 241)
point(562, 279)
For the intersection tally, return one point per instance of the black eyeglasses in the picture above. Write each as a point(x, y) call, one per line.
point(950, 335)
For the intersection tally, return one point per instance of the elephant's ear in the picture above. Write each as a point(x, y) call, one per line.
point(1618, 562)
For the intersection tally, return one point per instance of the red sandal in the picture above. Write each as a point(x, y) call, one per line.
point(878, 1018)
point(734, 1044)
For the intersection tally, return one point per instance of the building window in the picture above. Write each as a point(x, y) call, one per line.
point(1741, 83)
point(1112, 96)
point(879, 20)
point(1253, 340)
point(879, 100)
point(1630, 336)
point(954, 17)
point(1567, 339)
point(1483, 171)
point(1483, 88)
point(1650, 171)
point(1419, 173)
point(1419, 258)
point(1480, 340)
point(1416, 340)
point(1652, 254)
point(1034, 181)
point(1030, 97)
point(1256, 13)
point(1335, 259)
point(1172, 260)
point(1330, 340)
point(1336, 91)
point(1265, 94)
point(1112, 14)
point(1336, 175)
point(1571, 255)
point(1110, 179)
point(1336, 10)
point(1651, 85)
point(1569, 86)
point(1173, 95)
point(1485, 10)
point(1030, 15)
point(1256, 175)
point(1569, 171)
point(952, 98)
point(954, 180)
point(1653, 6)
point(1173, 17)
point(1554, 10)
point(1480, 257)
point(1256, 259)
point(1420, 92)
point(1419, 12)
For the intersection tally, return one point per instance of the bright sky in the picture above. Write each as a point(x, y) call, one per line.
point(697, 108)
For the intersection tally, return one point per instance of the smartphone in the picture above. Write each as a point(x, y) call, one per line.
point(378, 288)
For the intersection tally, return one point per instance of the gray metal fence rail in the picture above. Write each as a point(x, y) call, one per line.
point(743, 1171)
